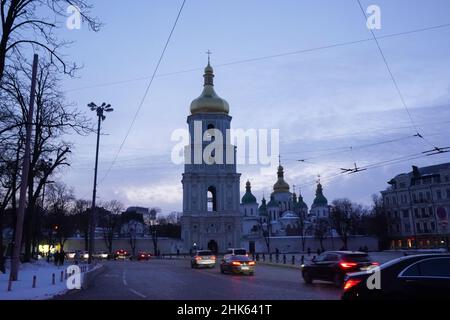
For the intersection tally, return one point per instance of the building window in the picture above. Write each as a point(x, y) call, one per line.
point(419, 229)
point(428, 195)
point(405, 213)
point(439, 194)
point(448, 193)
point(423, 212)
point(416, 213)
point(433, 226)
point(212, 199)
point(407, 227)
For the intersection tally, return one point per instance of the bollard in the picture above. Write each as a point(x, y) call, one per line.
point(34, 282)
point(293, 260)
point(62, 277)
point(303, 260)
point(284, 259)
point(10, 284)
point(53, 278)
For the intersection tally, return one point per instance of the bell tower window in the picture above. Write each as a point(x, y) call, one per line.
point(212, 199)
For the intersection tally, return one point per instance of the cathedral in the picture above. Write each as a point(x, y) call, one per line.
point(214, 217)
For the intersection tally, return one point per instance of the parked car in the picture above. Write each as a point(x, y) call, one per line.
point(237, 264)
point(425, 276)
point(121, 255)
point(203, 258)
point(143, 256)
point(334, 265)
point(71, 254)
point(101, 255)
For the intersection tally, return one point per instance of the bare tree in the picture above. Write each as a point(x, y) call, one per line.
point(321, 229)
point(152, 227)
point(81, 211)
point(29, 22)
point(53, 119)
point(59, 218)
point(344, 217)
point(110, 221)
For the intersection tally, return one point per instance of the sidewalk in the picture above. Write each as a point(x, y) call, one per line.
point(23, 288)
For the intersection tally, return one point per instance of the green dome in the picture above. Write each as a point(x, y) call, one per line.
point(301, 203)
point(248, 196)
point(263, 208)
point(320, 199)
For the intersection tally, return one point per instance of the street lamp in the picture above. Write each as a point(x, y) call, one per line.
point(100, 110)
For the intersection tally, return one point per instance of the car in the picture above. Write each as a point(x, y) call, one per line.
point(334, 265)
point(101, 255)
point(71, 255)
point(84, 255)
point(424, 276)
point(203, 258)
point(121, 255)
point(143, 256)
point(237, 264)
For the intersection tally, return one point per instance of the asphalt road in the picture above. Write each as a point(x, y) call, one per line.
point(175, 280)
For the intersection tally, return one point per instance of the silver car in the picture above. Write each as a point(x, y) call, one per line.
point(203, 258)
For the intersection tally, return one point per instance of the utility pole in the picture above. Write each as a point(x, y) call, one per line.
point(101, 117)
point(17, 245)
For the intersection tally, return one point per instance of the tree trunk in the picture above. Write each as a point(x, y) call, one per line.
point(2, 257)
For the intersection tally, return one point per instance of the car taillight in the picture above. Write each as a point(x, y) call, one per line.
point(251, 263)
point(376, 264)
point(350, 283)
point(213, 257)
point(236, 263)
point(347, 265)
point(198, 258)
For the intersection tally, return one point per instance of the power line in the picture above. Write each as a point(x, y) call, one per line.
point(394, 81)
point(267, 57)
point(146, 91)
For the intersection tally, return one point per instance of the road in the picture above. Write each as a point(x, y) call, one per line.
point(175, 280)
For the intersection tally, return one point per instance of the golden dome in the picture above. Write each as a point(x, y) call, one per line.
point(281, 185)
point(209, 101)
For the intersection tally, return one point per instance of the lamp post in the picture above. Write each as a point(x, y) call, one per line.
point(100, 110)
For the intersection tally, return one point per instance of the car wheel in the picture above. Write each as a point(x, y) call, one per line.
point(307, 277)
point(251, 274)
point(338, 280)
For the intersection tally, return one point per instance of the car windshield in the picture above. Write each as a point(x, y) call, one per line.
point(240, 252)
point(357, 257)
point(240, 258)
point(204, 253)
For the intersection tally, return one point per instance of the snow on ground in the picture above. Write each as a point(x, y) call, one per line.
point(23, 290)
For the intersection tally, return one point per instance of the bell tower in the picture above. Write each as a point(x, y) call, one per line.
point(211, 215)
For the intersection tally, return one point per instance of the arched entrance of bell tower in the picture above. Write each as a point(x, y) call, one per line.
point(213, 246)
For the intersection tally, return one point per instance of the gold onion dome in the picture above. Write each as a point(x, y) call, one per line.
point(209, 101)
point(280, 185)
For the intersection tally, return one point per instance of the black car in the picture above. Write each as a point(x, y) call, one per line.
point(237, 264)
point(425, 276)
point(334, 265)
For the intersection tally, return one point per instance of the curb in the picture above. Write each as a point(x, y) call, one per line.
point(89, 277)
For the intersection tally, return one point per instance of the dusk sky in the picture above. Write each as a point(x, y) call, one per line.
point(323, 101)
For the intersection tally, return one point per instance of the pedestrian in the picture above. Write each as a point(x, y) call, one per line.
point(178, 252)
point(56, 258)
point(366, 249)
point(318, 251)
point(62, 256)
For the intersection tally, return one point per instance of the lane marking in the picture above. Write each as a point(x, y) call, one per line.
point(137, 293)
point(124, 280)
